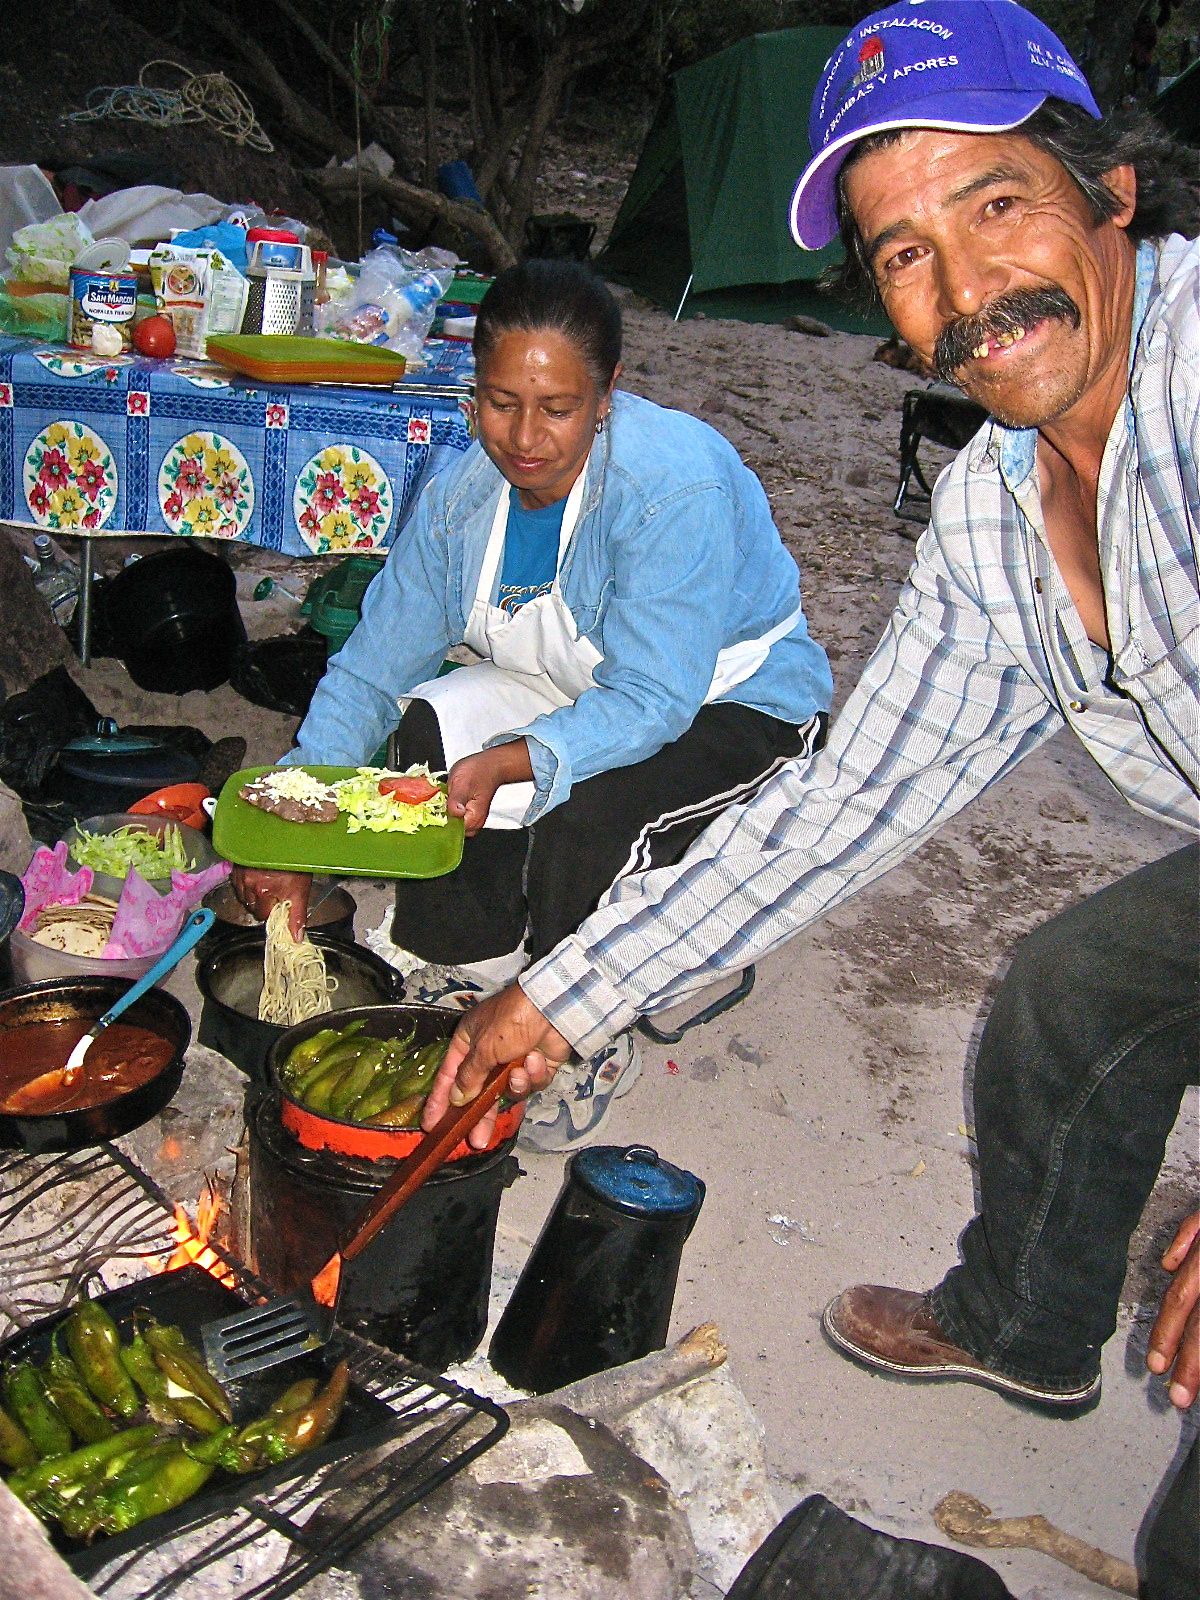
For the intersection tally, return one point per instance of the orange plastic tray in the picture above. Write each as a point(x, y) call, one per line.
point(292, 358)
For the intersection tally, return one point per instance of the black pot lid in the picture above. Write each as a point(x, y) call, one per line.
point(109, 740)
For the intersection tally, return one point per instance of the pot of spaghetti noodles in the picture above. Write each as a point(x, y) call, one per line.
point(255, 987)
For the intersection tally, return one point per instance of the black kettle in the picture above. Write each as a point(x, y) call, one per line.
point(598, 1289)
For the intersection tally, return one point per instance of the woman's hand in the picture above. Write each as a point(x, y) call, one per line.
point(259, 891)
point(507, 1027)
point(1175, 1336)
point(473, 781)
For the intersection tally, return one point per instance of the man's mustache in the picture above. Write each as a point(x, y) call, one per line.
point(1021, 309)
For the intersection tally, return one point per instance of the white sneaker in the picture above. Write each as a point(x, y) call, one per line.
point(443, 986)
point(573, 1109)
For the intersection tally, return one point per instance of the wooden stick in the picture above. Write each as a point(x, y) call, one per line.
point(969, 1521)
point(607, 1396)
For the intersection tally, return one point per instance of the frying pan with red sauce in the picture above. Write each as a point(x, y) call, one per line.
point(32, 1057)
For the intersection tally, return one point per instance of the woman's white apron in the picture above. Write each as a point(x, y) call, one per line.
point(537, 662)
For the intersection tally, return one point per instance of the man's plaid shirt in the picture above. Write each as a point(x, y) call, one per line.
point(984, 659)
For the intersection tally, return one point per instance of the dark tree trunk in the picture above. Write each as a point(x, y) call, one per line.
point(1111, 31)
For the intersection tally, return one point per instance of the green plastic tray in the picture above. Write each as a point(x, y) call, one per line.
point(294, 358)
point(251, 837)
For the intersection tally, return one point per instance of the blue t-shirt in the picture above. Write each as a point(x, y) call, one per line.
point(530, 552)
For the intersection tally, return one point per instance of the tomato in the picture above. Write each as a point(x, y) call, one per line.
point(155, 336)
point(409, 791)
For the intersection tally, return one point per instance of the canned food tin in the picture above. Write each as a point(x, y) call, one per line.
point(101, 297)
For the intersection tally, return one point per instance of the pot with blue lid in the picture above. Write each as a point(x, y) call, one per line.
point(599, 1287)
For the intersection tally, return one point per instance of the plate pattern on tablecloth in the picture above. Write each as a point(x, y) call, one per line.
point(70, 478)
point(342, 501)
point(199, 375)
point(81, 366)
point(205, 487)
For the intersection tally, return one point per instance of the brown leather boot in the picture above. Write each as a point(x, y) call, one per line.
point(894, 1330)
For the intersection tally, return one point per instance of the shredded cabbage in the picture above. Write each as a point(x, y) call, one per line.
point(364, 808)
point(153, 854)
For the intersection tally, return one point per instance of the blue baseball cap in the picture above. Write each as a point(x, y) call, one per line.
point(973, 66)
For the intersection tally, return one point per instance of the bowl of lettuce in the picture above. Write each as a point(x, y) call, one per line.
point(119, 843)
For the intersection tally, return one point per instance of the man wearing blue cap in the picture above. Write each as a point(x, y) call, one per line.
point(1045, 260)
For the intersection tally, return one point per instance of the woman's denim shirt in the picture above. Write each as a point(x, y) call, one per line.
point(675, 555)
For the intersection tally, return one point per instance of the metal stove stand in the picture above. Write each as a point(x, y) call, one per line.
point(90, 1221)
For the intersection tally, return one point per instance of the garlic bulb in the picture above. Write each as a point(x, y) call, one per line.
point(106, 339)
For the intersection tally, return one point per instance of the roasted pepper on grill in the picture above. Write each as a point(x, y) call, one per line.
point(62, 1473)
point(140, 1363)
point(25, 1396)
point(157, 1481)
point(66, 1388)
point(95, 1347)
point(278, 1436)
point(184, 1365)
point(16, 1448)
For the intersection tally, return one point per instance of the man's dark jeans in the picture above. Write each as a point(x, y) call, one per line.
point(1082, 1065)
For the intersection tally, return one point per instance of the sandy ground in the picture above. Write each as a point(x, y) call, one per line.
point(827, 1114)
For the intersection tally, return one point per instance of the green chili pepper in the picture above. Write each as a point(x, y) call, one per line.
point(27, 1399)
point(156, 1482)
point(318, 1096)
point(184, 1365)
point(279, 1437)
point(95, 1347)
point(356, 1081)
point(404, 1113)
point(421, 1073)
point(78, 1465)
point(66, 1388)
point(306, 1052)
point(378, 1097)
point(319, 1059)
point(16, 1447)
point(139, 1362)
point(299, 1394)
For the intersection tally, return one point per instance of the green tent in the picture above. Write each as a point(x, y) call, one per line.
point(703, 226)
point(1178, 106)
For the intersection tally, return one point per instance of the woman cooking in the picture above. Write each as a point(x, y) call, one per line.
point(644, 661)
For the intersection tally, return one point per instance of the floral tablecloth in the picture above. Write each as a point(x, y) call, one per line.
point(90, 445)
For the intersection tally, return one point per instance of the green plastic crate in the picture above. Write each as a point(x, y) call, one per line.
point(334, 602)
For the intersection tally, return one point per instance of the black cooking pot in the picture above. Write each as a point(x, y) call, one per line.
point(231, 978)
point(331, 912)
point(12, 906)
point(173, 619)
point(66, 999)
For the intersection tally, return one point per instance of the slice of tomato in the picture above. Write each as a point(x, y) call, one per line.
point(409, 791)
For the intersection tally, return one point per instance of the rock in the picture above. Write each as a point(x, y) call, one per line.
point(31, 642)
point(809, 325)
point(560, 1507)
point(705, 1441)
point(16, 845)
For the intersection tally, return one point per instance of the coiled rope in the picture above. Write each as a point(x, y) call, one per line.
point(202, 97)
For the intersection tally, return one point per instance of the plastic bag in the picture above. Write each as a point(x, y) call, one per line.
point(146, 922)
point(26, 195)
point(148, 212)
point(34, 316)
point(48, 881)
point(394, 299)
point(43, 251)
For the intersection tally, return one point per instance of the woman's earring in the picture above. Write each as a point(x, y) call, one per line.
point(600, 424)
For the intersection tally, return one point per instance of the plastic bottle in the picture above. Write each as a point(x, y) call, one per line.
point(56, 579)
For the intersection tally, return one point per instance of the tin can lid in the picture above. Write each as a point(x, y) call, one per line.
point(637, 1179)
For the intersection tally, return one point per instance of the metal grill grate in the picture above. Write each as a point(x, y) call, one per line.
point(92, 1221)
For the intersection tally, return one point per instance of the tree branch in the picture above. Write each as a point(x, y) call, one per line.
point(422, 205)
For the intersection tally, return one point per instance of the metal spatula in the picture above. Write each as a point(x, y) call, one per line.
point(264, 1336)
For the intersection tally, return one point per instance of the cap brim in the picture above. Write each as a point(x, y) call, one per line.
point(812, 215)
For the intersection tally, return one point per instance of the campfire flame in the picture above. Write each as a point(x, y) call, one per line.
point(192, 1246)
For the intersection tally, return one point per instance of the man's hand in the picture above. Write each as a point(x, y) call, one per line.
point(260, 891)
point(473, 781)
point(1175, 1336)
point(507, 1027)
